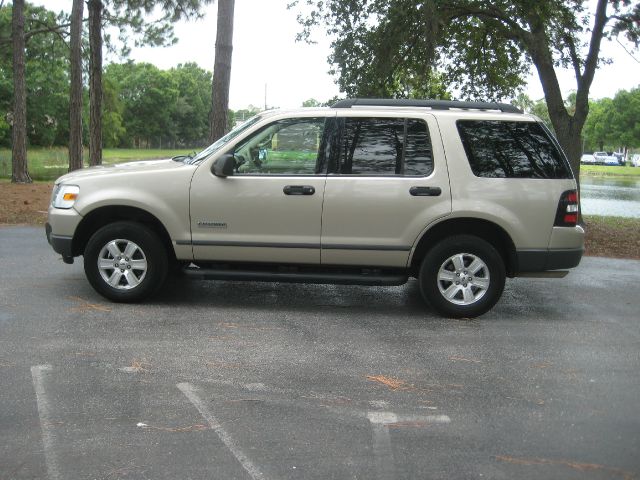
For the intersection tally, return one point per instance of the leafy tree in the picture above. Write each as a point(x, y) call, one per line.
point(145, 105)
point(625, 119)
point(37, 67)
point(45, 76)
point(482, 49)
point(310, 103)
point(113, 132)
point(597, 129)
point(147, 94)
point(221, 71)
point(128, 17)
point(190, 113)
point(614, 123)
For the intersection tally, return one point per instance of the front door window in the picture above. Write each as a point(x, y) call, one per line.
point(285, 147)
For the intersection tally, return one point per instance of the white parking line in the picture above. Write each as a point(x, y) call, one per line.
point(38, 374)
point(382, 451)
point(190, 392)
point(380, 422)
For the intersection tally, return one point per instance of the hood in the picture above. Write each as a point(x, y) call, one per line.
point(121, 168)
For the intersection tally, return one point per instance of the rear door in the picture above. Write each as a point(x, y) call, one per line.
point(386, 183)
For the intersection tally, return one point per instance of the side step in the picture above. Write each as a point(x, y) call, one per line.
point(333, 278)
point(549, 274)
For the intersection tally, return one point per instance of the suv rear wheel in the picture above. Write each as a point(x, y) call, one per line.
point(125, 261)
point(462, 276)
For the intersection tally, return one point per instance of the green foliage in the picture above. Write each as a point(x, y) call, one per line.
point(597, 131)
point(47, 77)
point(145, 106)
point(148, 96)
point(478, 49)
point(311, 103)
point(113, 131)
point(5, 129)
point(411, 48)
point(625, 118)
point(614, 124)
point(190, 116)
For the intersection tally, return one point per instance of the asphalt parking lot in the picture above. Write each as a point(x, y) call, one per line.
point(231, 380)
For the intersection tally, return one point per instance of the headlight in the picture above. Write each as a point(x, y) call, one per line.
point(64, 196)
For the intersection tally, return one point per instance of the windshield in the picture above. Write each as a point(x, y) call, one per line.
point(218, 144)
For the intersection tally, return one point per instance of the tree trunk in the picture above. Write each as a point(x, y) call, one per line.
point(75, 94)
point(19, 171)
point(570, 139)
point(95, 82)
point(221, 71)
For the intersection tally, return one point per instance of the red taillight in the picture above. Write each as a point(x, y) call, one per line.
point(567, 214)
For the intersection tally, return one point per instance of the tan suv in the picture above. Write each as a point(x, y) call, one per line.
point(459, 195)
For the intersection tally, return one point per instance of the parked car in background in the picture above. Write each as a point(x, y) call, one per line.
point(600, 157)
point(611, 160)
point(588, 158)
point(603, 158)
point(619, 157)
point(635, 160)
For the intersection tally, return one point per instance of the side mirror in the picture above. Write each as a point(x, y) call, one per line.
point(224, 166)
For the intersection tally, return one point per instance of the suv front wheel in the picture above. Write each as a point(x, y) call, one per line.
point(125, 261)
point(462, 276)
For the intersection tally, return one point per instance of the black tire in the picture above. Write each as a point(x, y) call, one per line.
point(132, 282)
point(475, 293)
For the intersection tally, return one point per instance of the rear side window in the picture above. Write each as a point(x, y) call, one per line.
point(385, 146)
point(499, 149)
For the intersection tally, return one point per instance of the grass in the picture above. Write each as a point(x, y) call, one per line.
point(47, 164)
point(609, 171)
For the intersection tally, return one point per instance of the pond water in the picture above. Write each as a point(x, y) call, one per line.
point(610, 196)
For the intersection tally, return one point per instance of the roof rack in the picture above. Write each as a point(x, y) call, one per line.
point(433, 104)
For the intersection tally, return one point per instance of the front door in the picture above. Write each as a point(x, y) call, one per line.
point(270, 209)
point(388, 182)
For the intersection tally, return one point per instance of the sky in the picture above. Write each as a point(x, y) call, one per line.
point(266, 54)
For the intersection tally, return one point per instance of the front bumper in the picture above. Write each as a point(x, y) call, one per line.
point(60, 244)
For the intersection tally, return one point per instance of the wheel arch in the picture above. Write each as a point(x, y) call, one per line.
point(102, 216)
point(485, 229)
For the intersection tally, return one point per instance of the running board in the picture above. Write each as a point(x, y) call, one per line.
point(297, 277)
point(549, 274)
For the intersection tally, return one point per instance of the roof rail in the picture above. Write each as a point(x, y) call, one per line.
point(433, 104)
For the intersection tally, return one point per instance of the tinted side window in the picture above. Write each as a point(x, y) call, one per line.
point(285, 147)
point(500, 149)
point(418, 157)
point(385, 146)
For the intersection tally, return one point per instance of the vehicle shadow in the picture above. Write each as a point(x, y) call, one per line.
point(403, 300)
point(402, 303)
